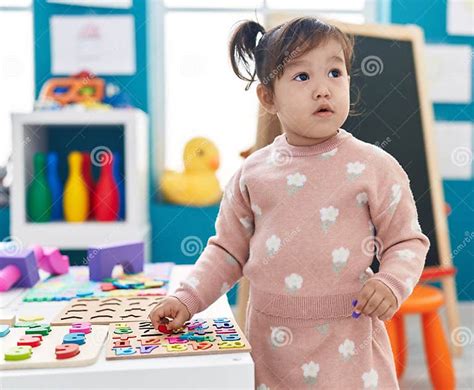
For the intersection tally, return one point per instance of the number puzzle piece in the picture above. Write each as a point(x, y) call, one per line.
point(231, 344)
point(4, 330)
point(74, 338)
point(221, 319)
point(32, 341)
point(176, 347)
point(201, 346)
point(176, 340)
point(124, 351)
point(229, 337)
point(146, 349)
point(121, 344)
point(150, 341)
point(123, 331)
point(18, 353)
point(223, 325)
point(25, 324)
point(31, 318)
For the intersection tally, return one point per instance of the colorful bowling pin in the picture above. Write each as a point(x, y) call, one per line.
point(106, 199)
point(87, 175)
point(119, 179)
point(76, 196)
point(55, 187)
point(39, 198)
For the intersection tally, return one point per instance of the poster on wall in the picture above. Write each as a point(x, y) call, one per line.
point(96, 3)
point(103, 45)
point(460, 17)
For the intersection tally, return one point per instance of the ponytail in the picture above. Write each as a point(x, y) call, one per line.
point(242, 49)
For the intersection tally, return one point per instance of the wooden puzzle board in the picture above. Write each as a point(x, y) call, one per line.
point(106, 310)
point(44, 355)
point(66, 287)
point(135, 340)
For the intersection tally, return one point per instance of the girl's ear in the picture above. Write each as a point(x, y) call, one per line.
point(265, 96)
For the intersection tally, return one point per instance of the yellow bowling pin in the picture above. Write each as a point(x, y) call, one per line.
point(76, 198)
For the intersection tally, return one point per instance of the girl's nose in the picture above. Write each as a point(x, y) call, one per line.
point(321, 92)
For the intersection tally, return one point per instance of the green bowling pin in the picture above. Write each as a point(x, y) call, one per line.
point(39, 197)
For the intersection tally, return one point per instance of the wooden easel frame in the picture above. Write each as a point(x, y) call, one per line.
point(271, 125)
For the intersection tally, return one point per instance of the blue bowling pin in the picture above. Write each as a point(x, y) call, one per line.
point(55, 186)
point(119, 179)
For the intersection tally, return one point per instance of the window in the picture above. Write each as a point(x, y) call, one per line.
point(16, 66)
point(200, 94)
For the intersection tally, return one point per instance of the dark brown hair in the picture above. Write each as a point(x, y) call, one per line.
point(280, 45)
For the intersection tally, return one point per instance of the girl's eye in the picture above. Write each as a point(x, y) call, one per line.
point(335, 70)
point(301, 77)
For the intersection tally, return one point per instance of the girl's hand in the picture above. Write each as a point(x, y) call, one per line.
point(376, 300)
point(170, 307)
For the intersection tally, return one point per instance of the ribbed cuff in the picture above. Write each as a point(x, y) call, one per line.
point(191, 301)
point(397, 287)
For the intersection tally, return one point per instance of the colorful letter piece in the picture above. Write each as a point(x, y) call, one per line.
point(18, 353)
point(67, 351)
point(4, 330)
point(80, 327)
point(74, 338)
point(32, 341)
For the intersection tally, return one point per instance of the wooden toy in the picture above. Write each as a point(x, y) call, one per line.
point(38, 203)
point(134, 340)
point(106, 197)
point(120, 180)
point(198, 184)
point(55, 187)
point(69, 286)
point(7, 318)
point(51, 260)
point(47, 350)
point(76, 196)
point(106, 310)
point(4, 330)
point(87, 175)
point(18, 269)
point(102, 260)
point(83, 87)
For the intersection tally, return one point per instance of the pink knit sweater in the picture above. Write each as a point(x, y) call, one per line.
point(302, 223)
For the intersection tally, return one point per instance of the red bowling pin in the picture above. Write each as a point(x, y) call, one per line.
point(87, 175)
point(106, 198)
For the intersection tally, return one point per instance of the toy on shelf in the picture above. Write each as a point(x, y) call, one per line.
point(106, 196)
point(55, 187)
point(76, 197)
point(102, 260)
point(81, 88)
point(18, 269)
point(39, 198)
point(106, 310)
point(197, 337)
point(88, 179)
point(198, 184)
point(37, 345)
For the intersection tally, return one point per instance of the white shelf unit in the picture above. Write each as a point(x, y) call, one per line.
point(34, 132)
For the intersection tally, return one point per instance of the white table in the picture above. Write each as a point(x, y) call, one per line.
point(219, 371)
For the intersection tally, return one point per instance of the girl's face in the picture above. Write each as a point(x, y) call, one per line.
point(316, 78)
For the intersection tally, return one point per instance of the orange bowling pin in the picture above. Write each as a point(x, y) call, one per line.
point(76, 196)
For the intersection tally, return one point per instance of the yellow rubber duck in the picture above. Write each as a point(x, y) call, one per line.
point(198, 184)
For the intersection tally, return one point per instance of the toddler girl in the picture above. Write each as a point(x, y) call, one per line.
point(299, 220)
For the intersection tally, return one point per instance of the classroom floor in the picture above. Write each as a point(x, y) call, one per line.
point(416, 373)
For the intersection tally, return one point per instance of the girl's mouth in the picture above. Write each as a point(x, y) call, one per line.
point(323, 113)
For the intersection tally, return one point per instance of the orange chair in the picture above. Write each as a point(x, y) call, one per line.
point(425, 300)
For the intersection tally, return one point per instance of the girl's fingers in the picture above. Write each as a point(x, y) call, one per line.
point(382, 308)
point(363, 298)
point(373, 304)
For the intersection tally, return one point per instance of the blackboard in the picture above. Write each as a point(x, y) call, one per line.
point(385, 91)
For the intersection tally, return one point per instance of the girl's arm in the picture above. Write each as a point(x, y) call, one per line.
point(220, 265)
point(401, 245)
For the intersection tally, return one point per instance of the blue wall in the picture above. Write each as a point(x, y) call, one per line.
point(459, 194)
